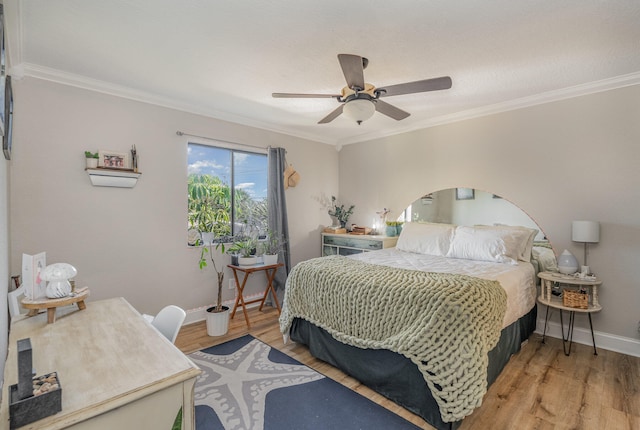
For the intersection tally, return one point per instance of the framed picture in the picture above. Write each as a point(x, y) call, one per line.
point(32, 266)
point(465, 194)
point(113, 159)
point(8, 119)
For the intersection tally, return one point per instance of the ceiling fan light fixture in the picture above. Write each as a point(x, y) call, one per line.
point(359, 100)
point(359, 110)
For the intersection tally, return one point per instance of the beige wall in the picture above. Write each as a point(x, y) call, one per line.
point(132, 242)
point(569, 160)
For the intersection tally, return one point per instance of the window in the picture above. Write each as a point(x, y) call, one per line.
point(227, 192)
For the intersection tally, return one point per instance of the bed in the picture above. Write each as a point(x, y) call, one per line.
point(429, 324)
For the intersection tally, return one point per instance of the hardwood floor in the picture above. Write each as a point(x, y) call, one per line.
point(539, 389)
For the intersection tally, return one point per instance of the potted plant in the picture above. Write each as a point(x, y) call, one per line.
point(341, 214)
point(271, 247)
point(218, 315)
point(234, 253)
point(246, 251)
point(393, 228)
point(92, 159)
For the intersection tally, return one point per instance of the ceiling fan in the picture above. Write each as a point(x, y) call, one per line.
point(359, 99)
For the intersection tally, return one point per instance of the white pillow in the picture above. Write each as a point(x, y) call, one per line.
point(546, 259)
point(527, 236)
point(486, 244)
point(426, 238)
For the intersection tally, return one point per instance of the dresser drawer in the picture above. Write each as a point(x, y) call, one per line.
point(353, 242)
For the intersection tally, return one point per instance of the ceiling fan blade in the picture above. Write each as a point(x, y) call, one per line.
point(390, 110)
point(352, 67)
point(304, 96)
point(333, 115)
point(435, 84)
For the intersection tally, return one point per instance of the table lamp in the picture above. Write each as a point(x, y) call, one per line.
point(586, 232)
point(58, 275)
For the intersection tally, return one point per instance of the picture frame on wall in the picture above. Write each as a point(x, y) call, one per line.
point(465, 194)
point(8, 119)
point(114, 160)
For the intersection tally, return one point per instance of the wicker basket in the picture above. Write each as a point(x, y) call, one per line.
point(575, 299)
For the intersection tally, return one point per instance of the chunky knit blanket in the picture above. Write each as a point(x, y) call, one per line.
point(446, 324)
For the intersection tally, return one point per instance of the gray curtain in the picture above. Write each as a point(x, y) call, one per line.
point(278, 222)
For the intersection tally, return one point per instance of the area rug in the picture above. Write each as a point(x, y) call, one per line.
point(247, 385)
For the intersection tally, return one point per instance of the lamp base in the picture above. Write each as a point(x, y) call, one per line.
point(58, 289)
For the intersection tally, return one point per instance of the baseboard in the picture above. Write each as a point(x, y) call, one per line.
point(611, 342)
point(199, 314)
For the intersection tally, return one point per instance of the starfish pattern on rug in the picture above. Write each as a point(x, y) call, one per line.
point(235, 386)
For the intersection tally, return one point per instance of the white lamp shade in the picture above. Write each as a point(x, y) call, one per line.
point(359, 110)
point(58, 271)
point(585, 231)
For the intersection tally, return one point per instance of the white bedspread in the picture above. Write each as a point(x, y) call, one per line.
point(517, 281)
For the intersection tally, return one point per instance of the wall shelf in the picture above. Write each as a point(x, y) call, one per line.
point(101, 177)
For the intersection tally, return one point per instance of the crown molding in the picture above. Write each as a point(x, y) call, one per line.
point(13, 34)
point(510, 105)
point(78, 81)
point(54, 75)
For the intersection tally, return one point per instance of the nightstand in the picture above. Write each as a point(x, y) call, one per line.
point(347, 244)
point(568, 282)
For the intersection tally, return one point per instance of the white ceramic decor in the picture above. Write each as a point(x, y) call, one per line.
point(57, 275)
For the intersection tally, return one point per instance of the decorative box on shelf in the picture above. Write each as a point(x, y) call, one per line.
point(360, 230)
point(575, 299)
point(122, 178)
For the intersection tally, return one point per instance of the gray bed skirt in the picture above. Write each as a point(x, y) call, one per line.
point(395, 376)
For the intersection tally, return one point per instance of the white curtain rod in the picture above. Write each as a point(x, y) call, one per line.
point(181, 133)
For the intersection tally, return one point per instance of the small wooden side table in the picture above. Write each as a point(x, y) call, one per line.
point(551, 301)
point(50, 305)
point(269, 271)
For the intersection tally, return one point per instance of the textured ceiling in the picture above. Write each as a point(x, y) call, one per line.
point(224, 58)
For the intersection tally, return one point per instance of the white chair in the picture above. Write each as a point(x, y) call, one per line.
point(14, 298)
point(168, 321)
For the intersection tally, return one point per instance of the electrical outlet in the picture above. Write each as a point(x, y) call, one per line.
point(232, 284)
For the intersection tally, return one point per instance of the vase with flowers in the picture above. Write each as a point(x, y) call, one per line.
point(339, 211)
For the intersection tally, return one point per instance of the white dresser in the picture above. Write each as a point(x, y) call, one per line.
point(347, 244)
